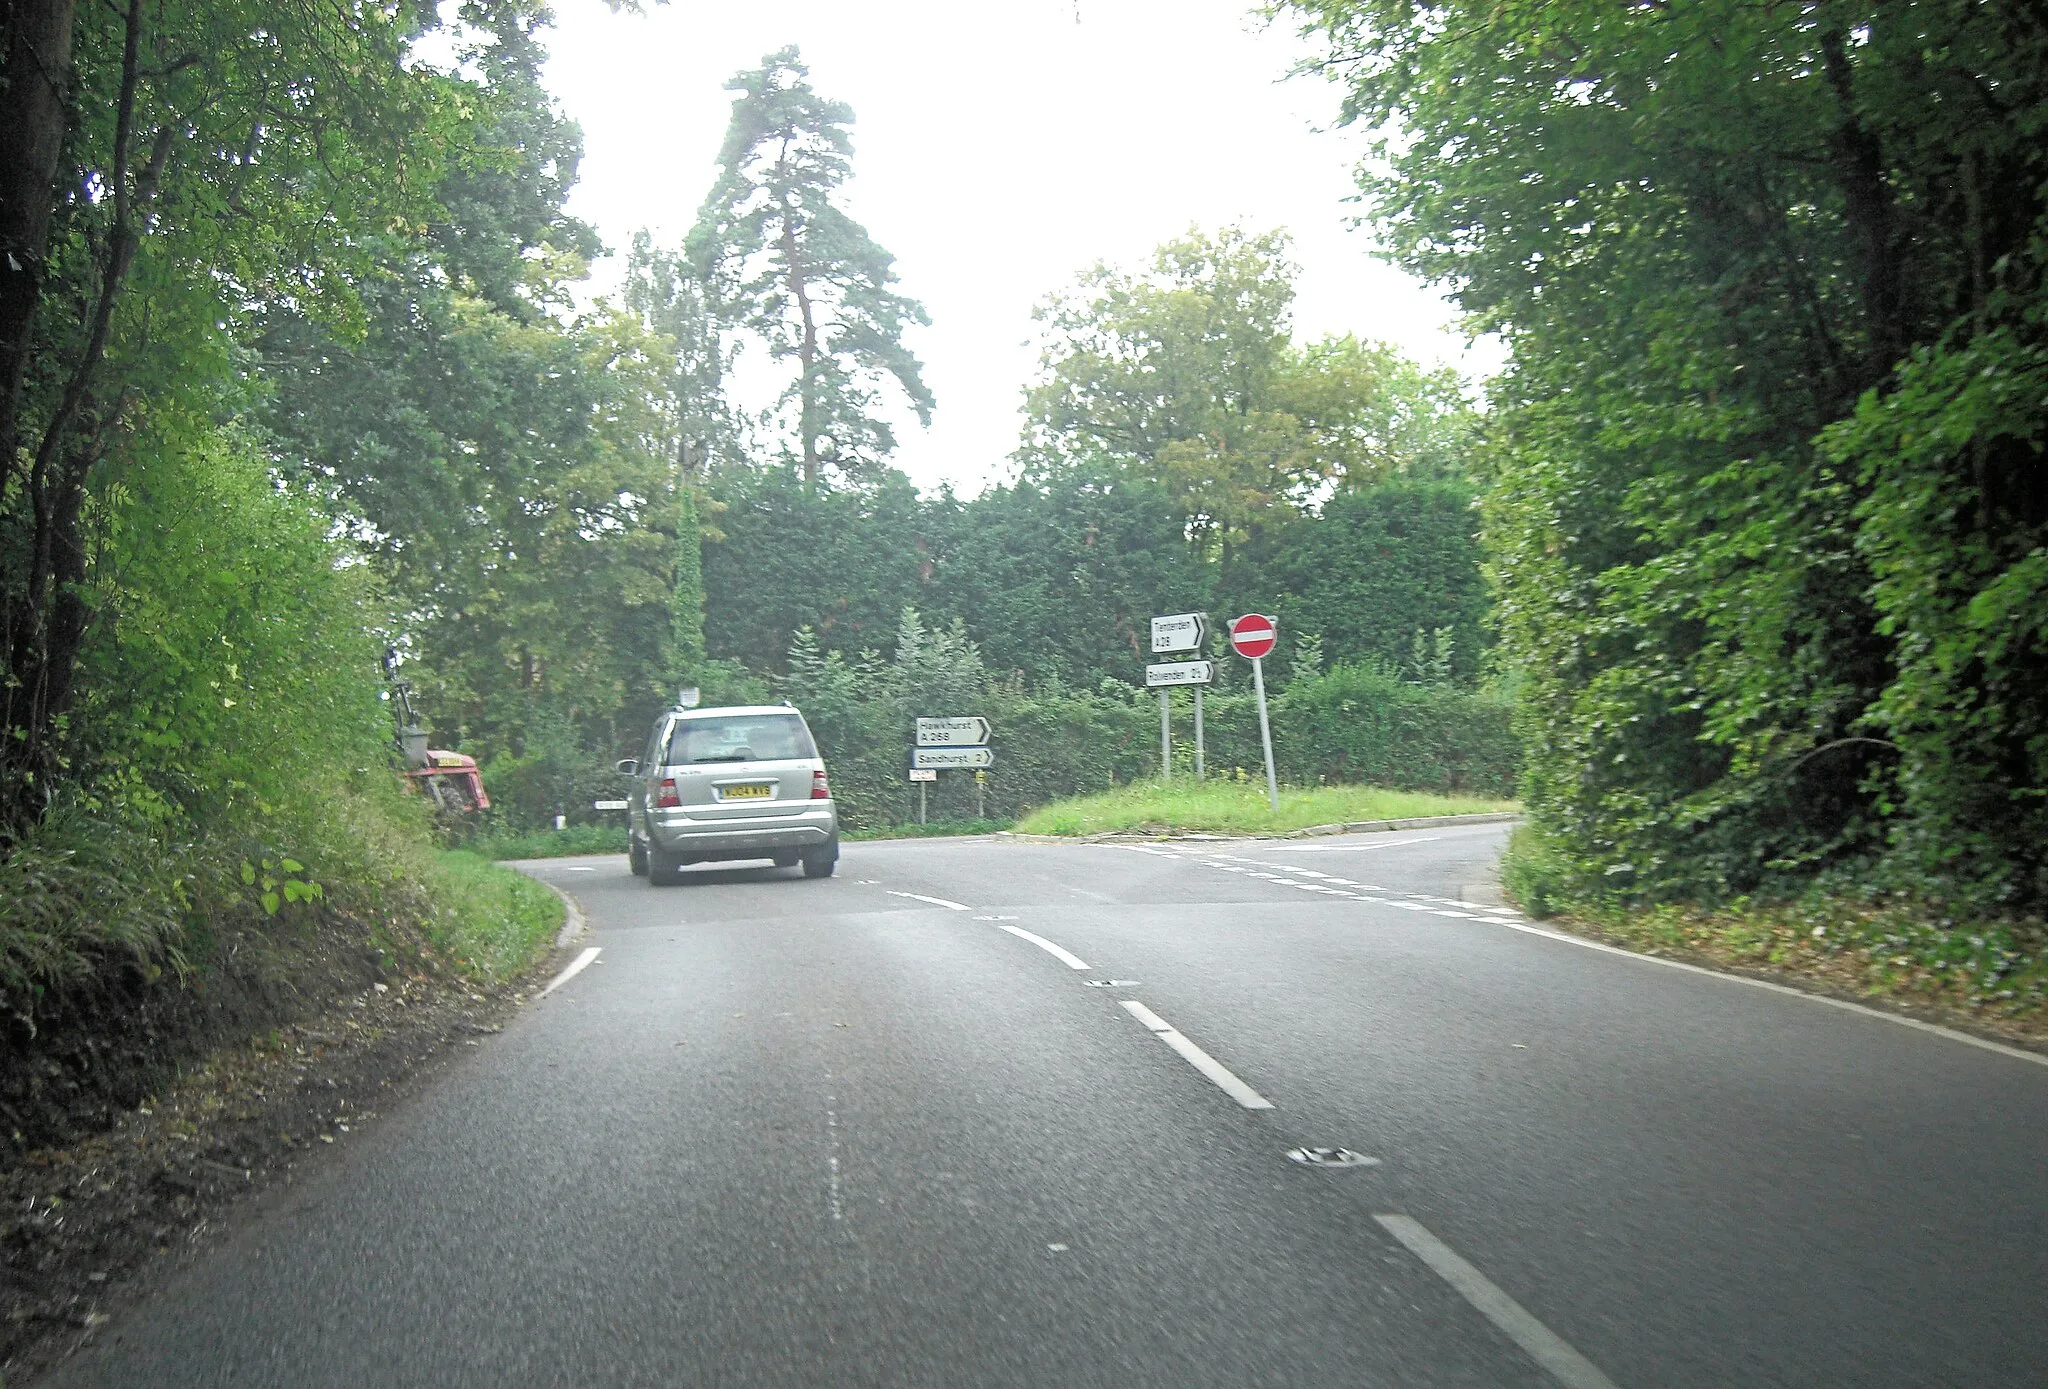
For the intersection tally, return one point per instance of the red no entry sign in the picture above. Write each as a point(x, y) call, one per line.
point(1252, 636)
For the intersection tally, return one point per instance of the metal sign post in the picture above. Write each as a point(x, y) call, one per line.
point(1165, 736)
point(1253, 637)
point(1163, 677)
point(1178, 632)
point(923, 776)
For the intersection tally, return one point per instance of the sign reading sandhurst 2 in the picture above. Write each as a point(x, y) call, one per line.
point(955, 743)
point(1253, 637)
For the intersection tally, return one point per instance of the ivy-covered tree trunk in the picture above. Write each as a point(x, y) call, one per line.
point(35, 87)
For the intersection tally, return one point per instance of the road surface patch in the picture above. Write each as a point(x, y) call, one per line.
point(1538, 1341)
point(1208, 1065)
point(1330, 1157)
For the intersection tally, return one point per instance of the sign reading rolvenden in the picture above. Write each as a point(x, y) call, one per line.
point(1180, 673)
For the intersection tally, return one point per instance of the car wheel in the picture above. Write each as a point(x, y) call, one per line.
point(819, 867)
point(664, 869)
point(636, 857)
point(787, 860)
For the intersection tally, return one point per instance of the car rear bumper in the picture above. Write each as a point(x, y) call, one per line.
point(753, 837)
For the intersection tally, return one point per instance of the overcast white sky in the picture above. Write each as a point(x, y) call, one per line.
point(999, 149)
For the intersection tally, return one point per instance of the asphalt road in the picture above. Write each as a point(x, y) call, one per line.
point(866, 1131)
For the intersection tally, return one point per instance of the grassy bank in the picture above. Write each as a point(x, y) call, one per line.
point(1240, 807)
point(493, 920)
point(563, 843)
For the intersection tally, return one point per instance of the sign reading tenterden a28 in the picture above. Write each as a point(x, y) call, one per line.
point(1179, 632)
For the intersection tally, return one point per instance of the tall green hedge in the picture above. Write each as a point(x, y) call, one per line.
point(1357, 724)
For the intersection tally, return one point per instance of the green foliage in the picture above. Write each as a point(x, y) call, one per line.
point(686, 592)
point(1375, 566)
point(1535, 874)
point(79, 896)
point(1059, 575)
point(1355, 725)
point(495, 921)
point(843, 562)
point(563, 843)
point(1048, 744)
point(1712, 234)
point(1959, 568)
point(187, 197)
point(1186, 375)
point(783, 263)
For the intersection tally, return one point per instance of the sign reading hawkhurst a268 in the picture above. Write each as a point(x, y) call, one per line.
point(950, 759)
point(969, 732)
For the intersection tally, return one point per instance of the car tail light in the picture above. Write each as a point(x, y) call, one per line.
point(821, 789)
point(667, 796)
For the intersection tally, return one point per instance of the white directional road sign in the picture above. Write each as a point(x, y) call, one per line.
point(923, 774)
point(954, 733)
point(1180, 632)
point(949, 759)
point(609, 805)
point(1180, 673)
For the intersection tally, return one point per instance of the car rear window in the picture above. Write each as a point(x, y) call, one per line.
point(740, 738)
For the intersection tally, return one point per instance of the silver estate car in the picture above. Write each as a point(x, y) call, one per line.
point(735, 783)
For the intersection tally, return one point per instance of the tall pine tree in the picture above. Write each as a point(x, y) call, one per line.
point(788, 268)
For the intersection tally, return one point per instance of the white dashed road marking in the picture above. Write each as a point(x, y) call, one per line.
point(1201, 1060)
point(1069, 960)
point(934, 901)
point(1541, 1344)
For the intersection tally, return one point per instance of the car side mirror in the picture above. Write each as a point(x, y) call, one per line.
point(627, 766)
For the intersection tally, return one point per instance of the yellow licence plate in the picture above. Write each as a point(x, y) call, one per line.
point(746, 793)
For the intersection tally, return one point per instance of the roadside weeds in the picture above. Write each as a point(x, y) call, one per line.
point(1794, 947)
point(87, 1227)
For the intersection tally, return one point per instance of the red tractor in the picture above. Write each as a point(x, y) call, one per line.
point(449, 779)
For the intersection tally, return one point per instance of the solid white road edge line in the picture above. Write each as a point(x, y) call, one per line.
point(1344, 848)
point(1070, 960)
point(1196, 1057)
point(935, 901)
point(1542, 1345)
point(1950, 1033)
point(576, 967)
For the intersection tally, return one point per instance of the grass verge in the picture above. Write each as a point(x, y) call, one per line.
point(1234, 807)
point(1992, 976)
point(563, 843)
point(493, 920)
